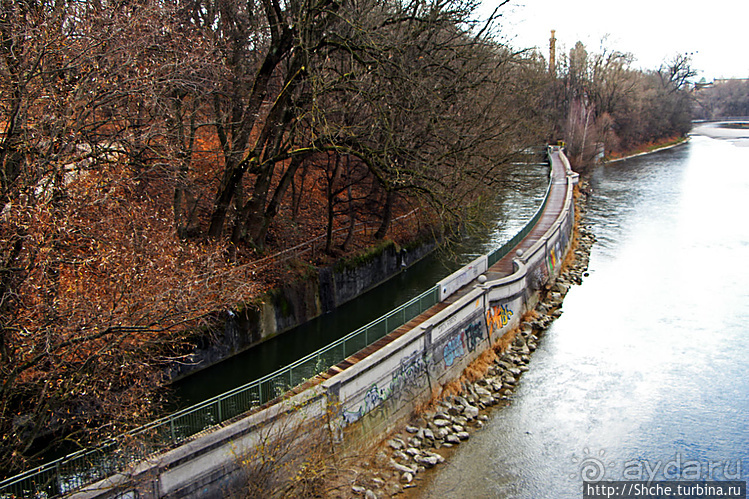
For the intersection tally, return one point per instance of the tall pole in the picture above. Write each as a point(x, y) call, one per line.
point(553, 54)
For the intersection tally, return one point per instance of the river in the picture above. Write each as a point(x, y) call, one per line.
point(645, 374)
point(518, 196)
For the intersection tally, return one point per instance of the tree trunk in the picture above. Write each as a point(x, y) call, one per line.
point(272, 210)
point(351, 211)
point(232, 176)
point(352, 221)
point(331, 195)
point(281, 45)
point(251, 216)
point(387, 216)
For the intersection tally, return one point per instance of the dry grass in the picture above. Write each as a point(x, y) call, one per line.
point(502, 344)
point(569, 258)
point(437, 393)
point(293, 458)
point(479, 367)
point(452, 388)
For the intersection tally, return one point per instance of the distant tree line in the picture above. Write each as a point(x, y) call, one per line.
point(723, 99)
point(603, 105)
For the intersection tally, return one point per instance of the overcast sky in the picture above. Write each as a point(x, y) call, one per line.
point(716, 32)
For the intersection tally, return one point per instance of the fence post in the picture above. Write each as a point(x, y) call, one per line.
point(58, 477)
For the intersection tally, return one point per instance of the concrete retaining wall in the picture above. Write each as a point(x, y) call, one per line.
point(210, 466)
point(378, 392)
point(373, 395)
point(296, 303)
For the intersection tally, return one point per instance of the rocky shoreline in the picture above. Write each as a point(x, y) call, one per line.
point(425, 443)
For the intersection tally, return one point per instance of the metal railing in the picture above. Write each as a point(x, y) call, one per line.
point(503, 250)
point(91, 465)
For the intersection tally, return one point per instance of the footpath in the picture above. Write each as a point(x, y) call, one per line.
point(503, 268)
point(365, 397)
point(427, 439)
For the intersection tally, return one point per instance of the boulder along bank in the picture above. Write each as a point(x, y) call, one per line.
point(462, 407)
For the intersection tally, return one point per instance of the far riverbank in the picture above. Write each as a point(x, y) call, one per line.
point(649, 149)
point(629, 377)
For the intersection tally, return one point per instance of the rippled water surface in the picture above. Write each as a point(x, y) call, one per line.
point(646, 371)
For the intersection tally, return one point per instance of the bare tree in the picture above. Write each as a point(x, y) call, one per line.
point(604, 101)
point(118, 117)
point(96, 292)
point(723, 99)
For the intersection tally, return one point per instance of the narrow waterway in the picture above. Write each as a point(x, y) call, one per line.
point(518, 196)
point(645, 374)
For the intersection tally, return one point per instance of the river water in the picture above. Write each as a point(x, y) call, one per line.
point(518, 196)
point(645, 374)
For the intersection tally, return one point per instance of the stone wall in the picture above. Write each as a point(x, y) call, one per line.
point(363, 402)
point(295, 303)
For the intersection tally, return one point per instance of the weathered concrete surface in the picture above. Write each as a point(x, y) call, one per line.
point(295, 303)
point(373, 391)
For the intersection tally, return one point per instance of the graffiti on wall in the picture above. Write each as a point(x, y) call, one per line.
point(553, 258)
point(453, 349)
point(473, 334)
point(497, 317)
point(462, 340)
point(408, 376)
point(538, 276)
point(407, 373)
point(405, 376)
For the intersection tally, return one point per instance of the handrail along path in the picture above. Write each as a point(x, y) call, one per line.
point(91, 465)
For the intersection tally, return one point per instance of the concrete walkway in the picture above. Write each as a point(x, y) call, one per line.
point(502, 268)
point(205, 461)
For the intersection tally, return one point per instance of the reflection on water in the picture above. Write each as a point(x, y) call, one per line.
point(646, 370)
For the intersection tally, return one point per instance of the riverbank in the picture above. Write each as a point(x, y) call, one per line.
point(306, 293)
point(314, 294)
point(409, 456)
point(630, 391)
point(516, 201)
point(648, 149)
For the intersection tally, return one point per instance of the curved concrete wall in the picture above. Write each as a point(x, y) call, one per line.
point(374, 394)
point(377, 392)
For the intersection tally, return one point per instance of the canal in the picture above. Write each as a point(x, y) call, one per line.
point(518, 196)
point(645, 374)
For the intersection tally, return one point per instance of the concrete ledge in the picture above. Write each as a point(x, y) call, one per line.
point(376, 392)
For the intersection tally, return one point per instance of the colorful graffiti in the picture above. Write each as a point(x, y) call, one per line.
point(497, 317)
point(474, 334)
point(374, 397)
point(466, 338)
point(551, 261)
point(453, 349)
point(406, 374)
point(557, 251)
